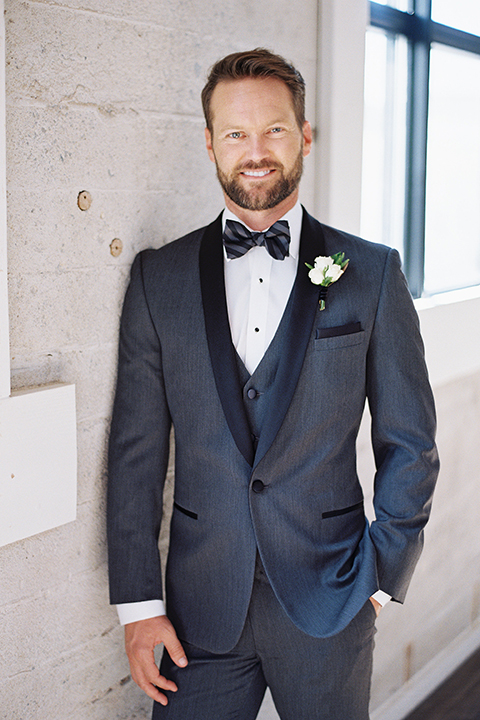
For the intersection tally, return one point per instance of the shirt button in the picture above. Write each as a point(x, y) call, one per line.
point(257, 329)
point(258, 486)
point(252, 394)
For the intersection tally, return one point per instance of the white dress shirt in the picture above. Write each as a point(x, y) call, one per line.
point(257, 289)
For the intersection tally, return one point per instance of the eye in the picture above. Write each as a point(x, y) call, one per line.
point(276, 130)
point(236, 135)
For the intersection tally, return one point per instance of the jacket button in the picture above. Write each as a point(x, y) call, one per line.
point(251, 394)
point(258, 486)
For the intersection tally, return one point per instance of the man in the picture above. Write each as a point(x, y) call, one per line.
point(274, 575)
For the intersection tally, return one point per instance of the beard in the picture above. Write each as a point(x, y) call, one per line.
point(261, 198)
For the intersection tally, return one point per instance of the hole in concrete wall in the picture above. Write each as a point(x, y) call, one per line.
point(84, 200)
point(116, 247)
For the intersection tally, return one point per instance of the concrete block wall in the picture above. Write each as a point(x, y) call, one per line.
point(102, 96)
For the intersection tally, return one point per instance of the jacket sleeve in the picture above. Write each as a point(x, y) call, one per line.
point(403, 431)
point(138, 453)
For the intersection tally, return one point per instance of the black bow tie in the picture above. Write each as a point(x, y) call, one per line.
point(238, 239)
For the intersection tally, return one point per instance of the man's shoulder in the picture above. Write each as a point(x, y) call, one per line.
point(347, 242)
point(182, 246)
point(370, 259)
point(175, 256)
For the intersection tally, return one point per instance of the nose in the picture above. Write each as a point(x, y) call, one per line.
point(257, 148)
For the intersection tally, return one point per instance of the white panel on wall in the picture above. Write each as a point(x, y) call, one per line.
point(38, 462)
point(449, 324)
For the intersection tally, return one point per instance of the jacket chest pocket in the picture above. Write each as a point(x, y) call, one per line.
point(336, 343)
point(342, 336)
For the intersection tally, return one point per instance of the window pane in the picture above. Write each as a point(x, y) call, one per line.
point(383, 180)
point(461, 14)
point(452, 252)
point(398, 4)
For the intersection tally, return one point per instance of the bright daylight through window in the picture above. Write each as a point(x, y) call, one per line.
point(421, 168)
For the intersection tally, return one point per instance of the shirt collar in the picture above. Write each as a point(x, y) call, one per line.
point(294, 219)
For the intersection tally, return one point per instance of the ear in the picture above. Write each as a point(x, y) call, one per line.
point(208, 142)
point(307, 138)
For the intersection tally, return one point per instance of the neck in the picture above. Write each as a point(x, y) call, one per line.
point(261, 219)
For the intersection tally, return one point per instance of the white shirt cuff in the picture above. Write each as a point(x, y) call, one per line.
point(381, 597)
point(132, 612)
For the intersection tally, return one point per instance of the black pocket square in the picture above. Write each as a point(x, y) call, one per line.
point(348, 329)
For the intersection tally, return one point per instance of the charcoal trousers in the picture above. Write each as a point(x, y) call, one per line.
point(309, 678)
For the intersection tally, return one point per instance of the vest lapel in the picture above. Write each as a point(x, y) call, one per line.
point(222, 351)
point(305, 305)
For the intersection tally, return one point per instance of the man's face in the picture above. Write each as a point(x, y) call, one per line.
point(256, 143)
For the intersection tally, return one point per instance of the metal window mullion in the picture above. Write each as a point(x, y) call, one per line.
point(391, 19)
point(388, 123)
point(417, 129)
point(455, 38)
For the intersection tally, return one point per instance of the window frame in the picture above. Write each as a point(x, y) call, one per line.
point(420, 32)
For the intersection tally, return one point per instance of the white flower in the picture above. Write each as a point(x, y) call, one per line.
point(316, 276)
point(322, 262)
point(326, 271)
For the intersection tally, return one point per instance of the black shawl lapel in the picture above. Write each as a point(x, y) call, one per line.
point(305, 306)
point(222, 351)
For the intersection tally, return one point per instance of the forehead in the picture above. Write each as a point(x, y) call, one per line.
point(250, 100)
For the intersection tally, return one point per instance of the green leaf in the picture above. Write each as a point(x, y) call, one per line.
point(338, 259)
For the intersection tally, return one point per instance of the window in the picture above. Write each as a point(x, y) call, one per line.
point(421, 172)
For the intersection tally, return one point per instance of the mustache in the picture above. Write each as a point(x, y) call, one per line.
point(260, 165)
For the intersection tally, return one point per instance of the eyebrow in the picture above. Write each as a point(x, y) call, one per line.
point(241, 126)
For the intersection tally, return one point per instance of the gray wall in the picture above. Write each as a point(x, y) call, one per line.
point(103, 96)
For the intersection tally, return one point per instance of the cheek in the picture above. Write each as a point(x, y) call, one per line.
point(289, 152)
point(227, 158)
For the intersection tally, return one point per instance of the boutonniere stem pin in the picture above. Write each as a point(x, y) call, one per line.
point(326, 271)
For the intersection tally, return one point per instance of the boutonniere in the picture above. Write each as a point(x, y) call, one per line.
point(325, 272)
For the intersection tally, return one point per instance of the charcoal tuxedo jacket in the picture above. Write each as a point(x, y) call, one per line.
point(305, 517)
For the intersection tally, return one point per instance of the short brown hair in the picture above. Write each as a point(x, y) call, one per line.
point(258, 63)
